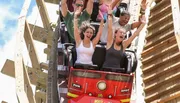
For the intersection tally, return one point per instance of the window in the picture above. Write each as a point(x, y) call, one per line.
point(122, 78)
point(86, 74)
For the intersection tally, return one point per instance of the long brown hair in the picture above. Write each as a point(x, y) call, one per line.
point(84, 26)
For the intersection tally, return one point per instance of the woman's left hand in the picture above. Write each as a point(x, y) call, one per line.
point(143, 19)
point(144, 5)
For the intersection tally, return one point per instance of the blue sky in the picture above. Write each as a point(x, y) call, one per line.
point(10, 10)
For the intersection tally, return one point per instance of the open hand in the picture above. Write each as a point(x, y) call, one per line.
point(144, 4)
point(77, 13)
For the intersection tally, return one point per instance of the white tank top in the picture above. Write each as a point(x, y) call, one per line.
point(84, 54)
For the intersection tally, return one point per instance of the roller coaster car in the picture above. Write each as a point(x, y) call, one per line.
point(92, 84)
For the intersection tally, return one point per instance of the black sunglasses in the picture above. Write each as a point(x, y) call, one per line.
point(81, 5)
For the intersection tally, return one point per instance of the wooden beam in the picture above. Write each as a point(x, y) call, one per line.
point(43, 12)
point(52, 1)
point(40, 34)
point(171, 97)
point(45, 20)
point(35, 78)
point(44, 66)
point(27, 85)
point(52, 95)
point(40, 95)
point(23, 88)
point(47, 51)
point(4, 102)
point(176, 20)
point(31, 48)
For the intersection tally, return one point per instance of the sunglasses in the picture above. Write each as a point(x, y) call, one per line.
point(81, 5)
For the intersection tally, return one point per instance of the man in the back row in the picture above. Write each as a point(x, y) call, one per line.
point(122, 21)
point(69, 16)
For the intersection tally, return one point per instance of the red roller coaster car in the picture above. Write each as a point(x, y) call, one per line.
point(92, 83)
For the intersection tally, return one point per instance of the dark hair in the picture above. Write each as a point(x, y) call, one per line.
point(84, 26)
point(125, 12)
point(117, 29)
point(76, 0)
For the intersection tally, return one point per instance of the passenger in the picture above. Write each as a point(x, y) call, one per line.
point(103, 8)
point(69, 16)
point(85, 43)
point(116, 44)
point(121, 6)
point(122, 22)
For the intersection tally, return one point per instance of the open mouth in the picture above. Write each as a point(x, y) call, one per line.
point(121, 37)
point(88, 36)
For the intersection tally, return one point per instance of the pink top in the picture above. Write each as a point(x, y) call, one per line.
point(104, 9)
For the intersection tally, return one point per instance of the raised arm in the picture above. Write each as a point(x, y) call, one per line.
point(89, 6)
point(97, 38)
point(136, 33)
point(144, 5)
point(114, 3)
point(64, 8)
point(110, 30)
point(76, 29)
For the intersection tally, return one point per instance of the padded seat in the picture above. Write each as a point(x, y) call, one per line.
point(99, 55)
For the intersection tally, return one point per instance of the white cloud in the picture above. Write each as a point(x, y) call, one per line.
point(6, 14)
point(8, 19)
point(35, 18)
point(7, 87)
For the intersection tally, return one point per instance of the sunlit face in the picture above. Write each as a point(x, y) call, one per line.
point(120, 35)
point(88, 33)
point(79, 4)
point(124, 20)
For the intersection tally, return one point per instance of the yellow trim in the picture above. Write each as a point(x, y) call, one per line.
point(72, 95)
point(125, 100)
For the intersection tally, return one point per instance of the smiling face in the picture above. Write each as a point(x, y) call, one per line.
point(78, 5)
point(124, 19)
point(119, 35)
point(88, 33)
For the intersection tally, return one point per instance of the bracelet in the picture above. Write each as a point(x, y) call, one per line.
point(142, 11)
point(109, 14)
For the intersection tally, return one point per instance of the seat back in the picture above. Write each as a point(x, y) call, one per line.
point(99, 55)
point(130, 61)
point(96, 26)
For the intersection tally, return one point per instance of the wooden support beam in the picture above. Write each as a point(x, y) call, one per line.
point(36, 79)
point(44, 66)
point(40, 34)
point(40, 95)
point(31, 48)
point(171, 97)
point(52, 1)
point(45, 20)
point(176, 20)
point(4, 102)
point(23, 88)
point(52, 95)
point(44, 14)
point(47, 51)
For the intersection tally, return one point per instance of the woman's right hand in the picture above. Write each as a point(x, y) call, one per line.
point(77, 13)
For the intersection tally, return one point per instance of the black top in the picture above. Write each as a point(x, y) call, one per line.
point(113, 57)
